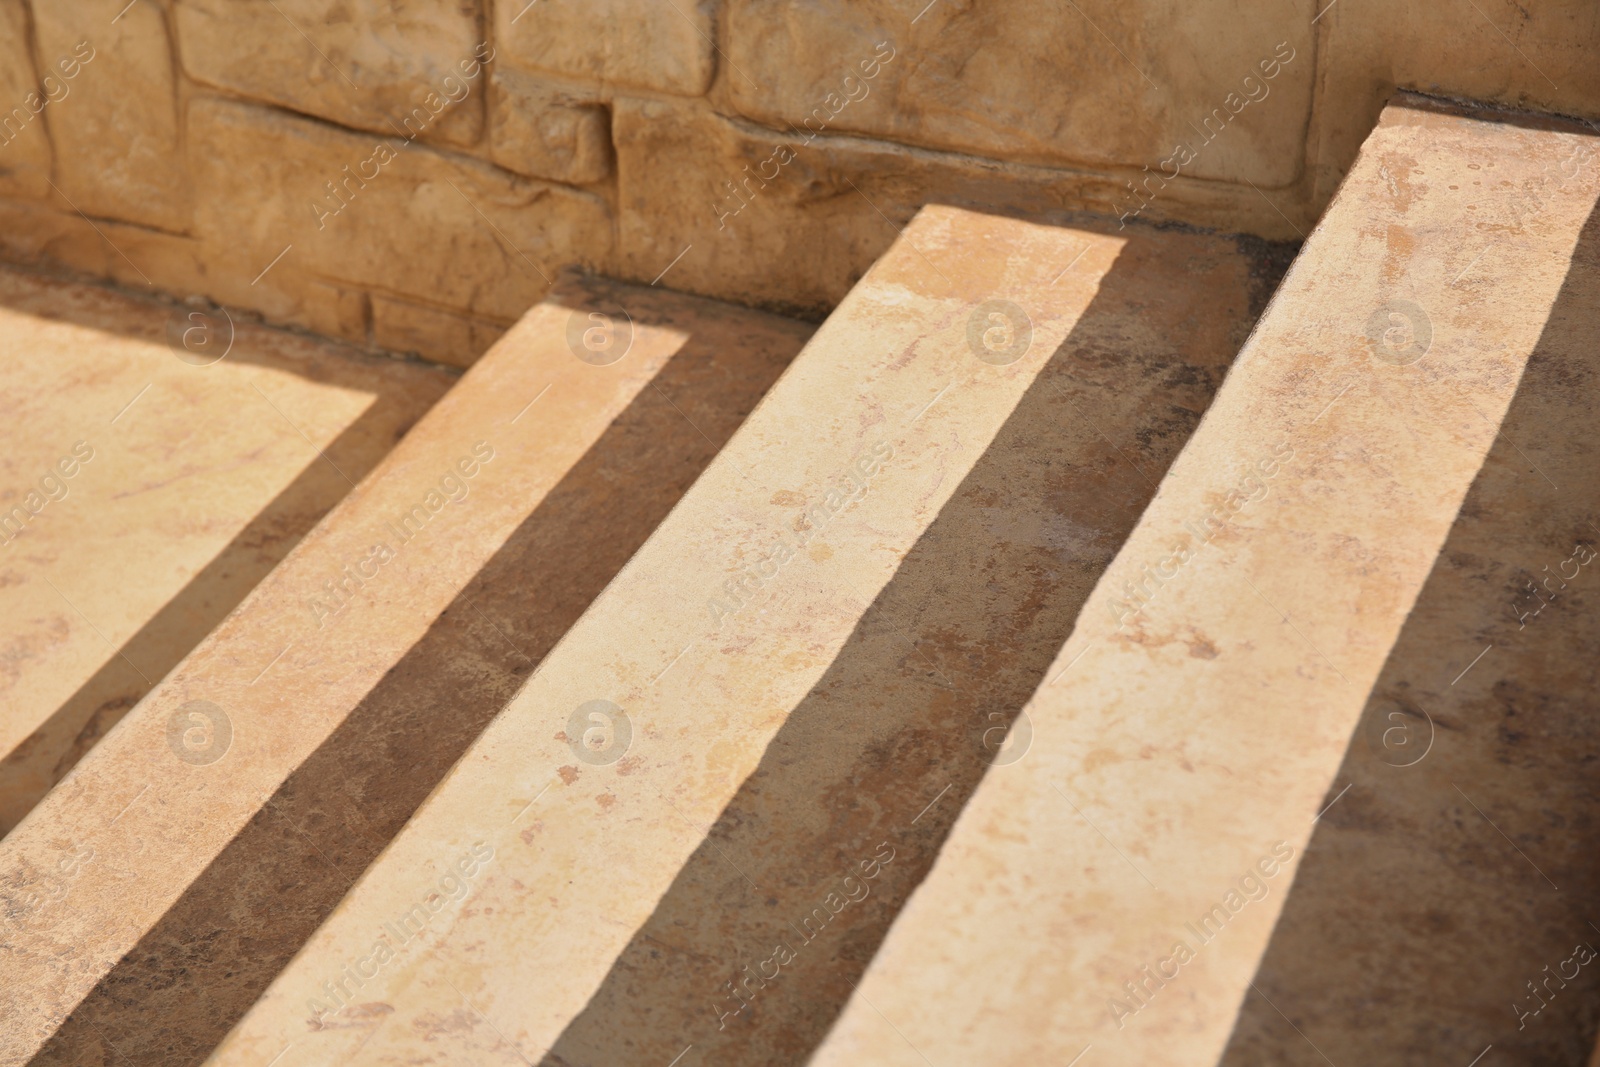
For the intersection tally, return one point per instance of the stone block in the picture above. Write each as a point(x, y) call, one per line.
point(793, 222)
point(771, 716)
point(385, 213)
point(412, 69)
point(429, 332)
point(1084, 83)
point(546, 131)
point(156, 891)
point(1537, 54)
point(119, 152)
point(24, 143)
point(627, 44)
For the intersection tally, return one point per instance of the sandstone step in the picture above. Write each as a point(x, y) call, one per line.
point(156, 891)
point(797, 680)
point(1305, 781)
point(144, 489)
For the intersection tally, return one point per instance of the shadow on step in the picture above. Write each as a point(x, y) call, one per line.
point(399, 395)
point(175, 995)
point(1442, 897)
point(796, 884)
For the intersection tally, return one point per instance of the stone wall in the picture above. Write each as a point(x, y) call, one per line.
point(410, 174)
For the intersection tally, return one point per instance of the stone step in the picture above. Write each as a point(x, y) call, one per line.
point(146, 488)
point(1312, 782)
point(156, 891)
point(784, 697)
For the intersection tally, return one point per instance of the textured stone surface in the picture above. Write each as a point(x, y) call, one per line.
point(24, 145)
point(403, 217)
point(1535, 54)
point(548, 132)
point(116, 136)
point(455, 339)
point(370, 64)
point(1036, 81)
point(152, 895)
point(1304, 646)
point(191, 496)
point(828, 208)
point(830, 630)
point(637, 44)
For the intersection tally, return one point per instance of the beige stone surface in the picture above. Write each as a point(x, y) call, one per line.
point(458, 340)
point(778, 221)
point(548, 131)
point(1336, 543)
point(155, 892)
point(638, 44)
point(205, 479)
point(24, 144)
point(1090, 82)
point(829, 632)
point(1536, 54)
point(412, 68)
point(119, 149)
point(403, 218)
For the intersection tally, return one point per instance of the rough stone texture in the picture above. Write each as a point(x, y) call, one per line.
point(1308, 644)
point(132, 255)
point(801, 239)
point(1532, 54)
point(447, 229)
point(151, 896)
point(1090, 82)
point(119, 152)
point(455, 339)
point(638, 44)
point(789, 708)
point(24, 145)
point(369, 64)
point(547, 131)
point(192, 495)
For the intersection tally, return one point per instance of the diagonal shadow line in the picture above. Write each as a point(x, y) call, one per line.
point(991, 591)
point(175, 994)
point(45, 756)
point(1408, 897)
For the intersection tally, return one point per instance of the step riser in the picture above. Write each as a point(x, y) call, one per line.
point(347, 707)
point(807, 714)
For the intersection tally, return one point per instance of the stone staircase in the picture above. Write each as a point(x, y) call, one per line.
point(1060, 655)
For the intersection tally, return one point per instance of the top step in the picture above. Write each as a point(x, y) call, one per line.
point(781, 700)
point(1319, 662)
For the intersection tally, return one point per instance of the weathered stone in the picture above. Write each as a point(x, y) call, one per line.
point(24, 144)
point(638, 44)
point(153, 894)
point(195, 486)
point(547, 132)
point(792, 223)
point(1039, 82)
point(385, 213)
point(118, 152)
point(1536, 54)
point(836, 623)
point(455, 339)
point(143, 258)
point(1272, 785)
point(409, 69)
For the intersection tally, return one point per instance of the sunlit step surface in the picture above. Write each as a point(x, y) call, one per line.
point(172, 874)
point(784, 698)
